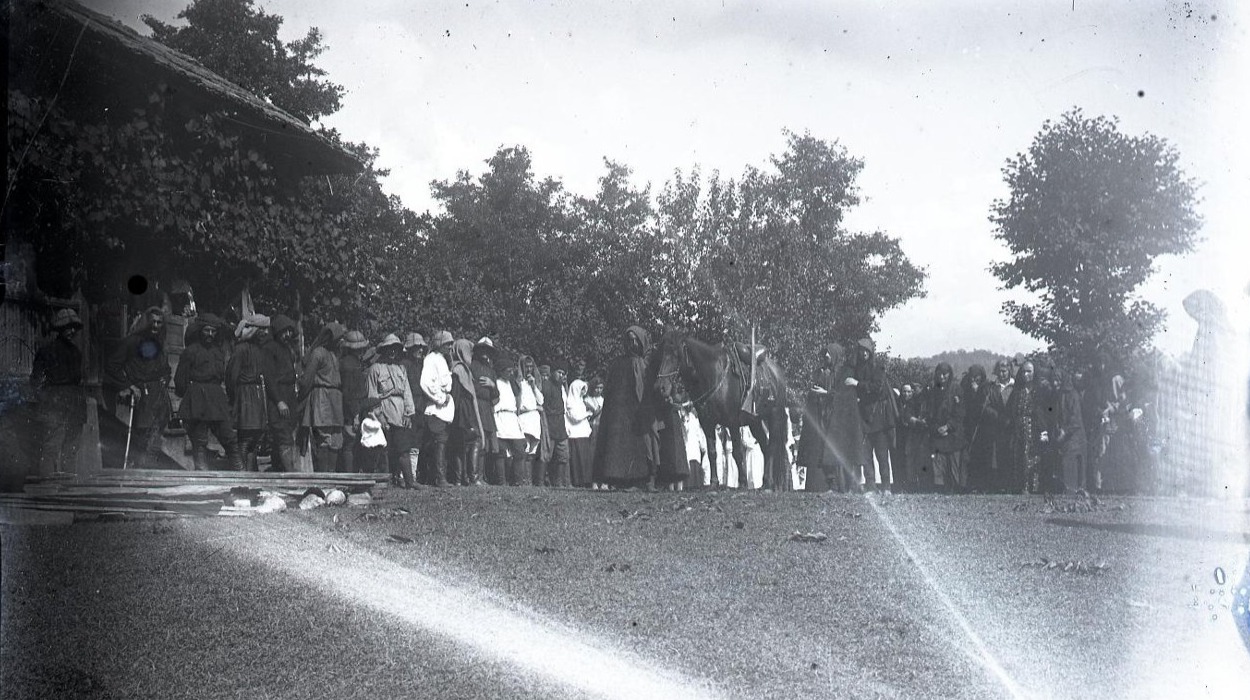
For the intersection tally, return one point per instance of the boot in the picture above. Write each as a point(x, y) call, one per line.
point(408, 468)
point(472, 477)
point(438, 462)
point(455, 467)
point(199, 457)
point(536, 470)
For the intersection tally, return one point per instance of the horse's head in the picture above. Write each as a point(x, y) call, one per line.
point(672, 360)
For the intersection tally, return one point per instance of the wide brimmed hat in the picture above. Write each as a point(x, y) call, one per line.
point(442, 338)
point(867, 344)
point(414, 340)
point(389, 340)
point(66, 318)
point(355, 340)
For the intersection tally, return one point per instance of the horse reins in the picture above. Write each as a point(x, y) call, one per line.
point(685, 359)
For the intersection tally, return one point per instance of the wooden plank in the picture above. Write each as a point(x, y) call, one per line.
point(11, 515)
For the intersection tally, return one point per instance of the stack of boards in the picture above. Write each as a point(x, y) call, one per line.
point(165, 493)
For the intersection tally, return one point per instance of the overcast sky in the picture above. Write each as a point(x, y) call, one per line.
point(933, 96)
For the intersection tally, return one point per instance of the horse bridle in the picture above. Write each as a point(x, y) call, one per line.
point(685, 361)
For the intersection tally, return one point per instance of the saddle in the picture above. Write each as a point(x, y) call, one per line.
point(764, 393)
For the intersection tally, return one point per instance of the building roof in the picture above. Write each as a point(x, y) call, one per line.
point(108, 60)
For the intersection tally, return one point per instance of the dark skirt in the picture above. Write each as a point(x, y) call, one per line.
point(581, 461)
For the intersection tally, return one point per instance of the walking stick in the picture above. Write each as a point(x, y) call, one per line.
point(129, 428)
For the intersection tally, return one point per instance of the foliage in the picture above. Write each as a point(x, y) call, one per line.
point(187, 198)
point(1090, 209)
point(961, 360)
point(235, 39)
point(770, 250)
point(914, 371)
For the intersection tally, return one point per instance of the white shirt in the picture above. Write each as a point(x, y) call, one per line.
point(529, 410)
point(576, 413)
point(507, 427)
point(436, 385)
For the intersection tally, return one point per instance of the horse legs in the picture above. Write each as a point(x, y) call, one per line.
point(744, 475)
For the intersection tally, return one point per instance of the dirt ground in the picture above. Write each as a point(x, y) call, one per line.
point(519, 592)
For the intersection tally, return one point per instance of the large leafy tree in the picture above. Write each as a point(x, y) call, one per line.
point(238, 40)
point(771, 250)
point(1090, 209)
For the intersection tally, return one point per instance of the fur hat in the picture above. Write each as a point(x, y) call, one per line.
point(282, 323)
point(66, 318)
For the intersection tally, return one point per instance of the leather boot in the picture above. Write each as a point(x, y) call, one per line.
point(408, 467)
point(438, 462)
point(536, 470)
point(472, 477)
point(199, 457)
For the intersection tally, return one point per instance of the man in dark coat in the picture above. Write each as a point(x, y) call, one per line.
point(831, 445)
point(878, 410)
point(944, 415)
point(245, 387)
point(321, 396)
point(627, 446)
point(281, 378)
point(554, 408)
point(487, 391)
point(201, 384)
point(354, 383)
point(992, 443)
point(56, 377)
point(975, 393)
point(138, 371)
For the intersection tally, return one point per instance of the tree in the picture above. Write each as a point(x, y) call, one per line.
point(235, 39)
point(1089, 211)
point(770, 249)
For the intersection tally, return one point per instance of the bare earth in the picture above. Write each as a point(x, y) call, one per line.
point(524, 592)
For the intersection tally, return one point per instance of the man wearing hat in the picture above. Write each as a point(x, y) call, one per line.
point(355, 390)
point(245, 386)
point(487, 390)
point(554, 408)
point(138, 371)
point(56, 377)
point(281, 376)
point(322, 395)
point(413, 360)
point(879, 412)
point(440, 410)
point(200, 381)
point(388, 382)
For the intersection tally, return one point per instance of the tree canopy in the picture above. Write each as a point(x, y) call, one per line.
point(238, 40)
point(1090, 209)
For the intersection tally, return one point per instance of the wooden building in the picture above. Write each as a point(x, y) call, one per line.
point(93, 68)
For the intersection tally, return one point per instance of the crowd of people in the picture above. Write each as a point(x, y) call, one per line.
point(1030, 428)
point(456, 411)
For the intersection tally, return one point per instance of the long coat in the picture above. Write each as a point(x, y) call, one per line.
point(626, 442)
point(833, 431)
point(244, 377)
point(281, 377)
point(321, 385)
point(201, 382)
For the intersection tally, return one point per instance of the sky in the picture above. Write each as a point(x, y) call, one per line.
point(933, 96)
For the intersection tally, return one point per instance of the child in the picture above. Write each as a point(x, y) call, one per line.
point(371, 451)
